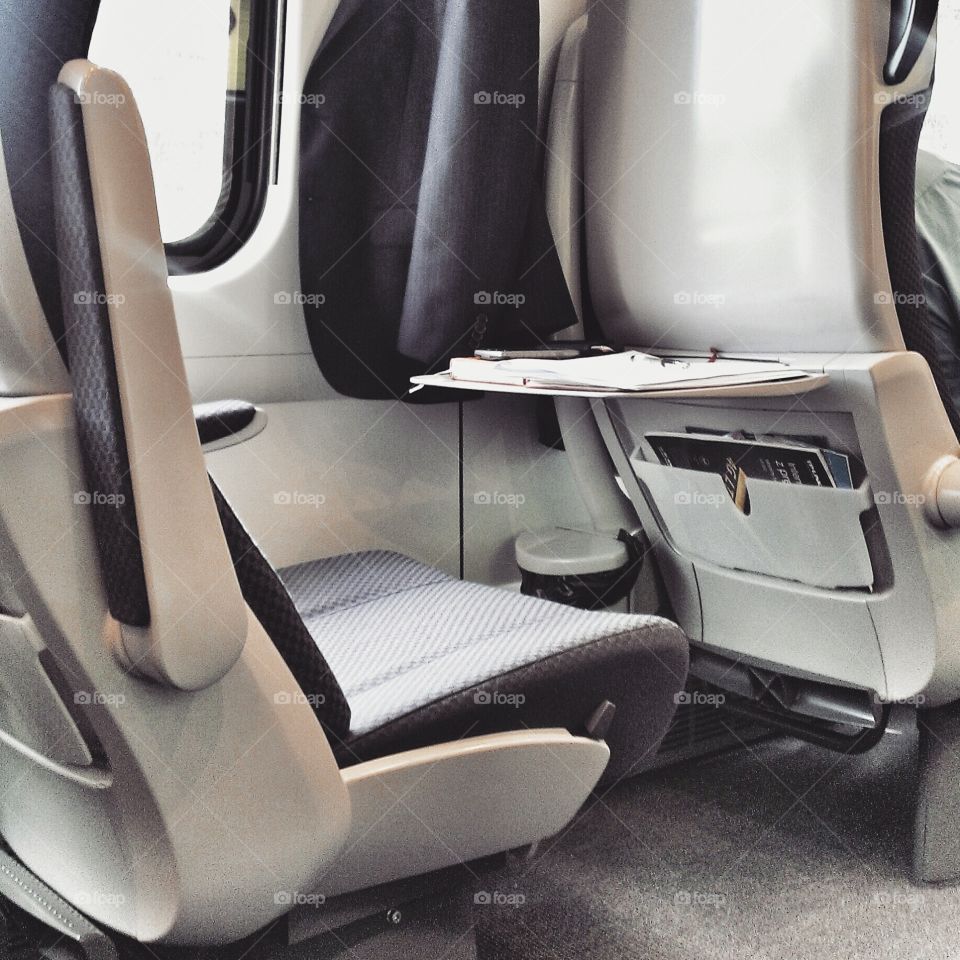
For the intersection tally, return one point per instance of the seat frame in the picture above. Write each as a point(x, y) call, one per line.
point(653, 240)
point(190, 784)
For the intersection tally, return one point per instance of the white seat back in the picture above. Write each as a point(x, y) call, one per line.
point(732, 154)
point(749, 187)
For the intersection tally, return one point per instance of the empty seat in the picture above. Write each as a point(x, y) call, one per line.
point(423, 657)
point(455, 720)
point(394, 655)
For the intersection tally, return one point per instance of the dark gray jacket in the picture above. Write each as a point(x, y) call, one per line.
point(422, 223)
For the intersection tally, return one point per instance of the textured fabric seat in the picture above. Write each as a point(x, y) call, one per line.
point(422, 657)
point(391, 654)
point(207, 704)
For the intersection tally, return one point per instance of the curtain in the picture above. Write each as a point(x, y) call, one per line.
point(423, 232)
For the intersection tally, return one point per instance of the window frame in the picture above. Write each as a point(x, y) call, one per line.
point(251, 118)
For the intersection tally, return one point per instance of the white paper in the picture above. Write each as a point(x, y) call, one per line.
point(634, 371)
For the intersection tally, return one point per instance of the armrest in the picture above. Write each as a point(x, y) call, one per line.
point(225, 422)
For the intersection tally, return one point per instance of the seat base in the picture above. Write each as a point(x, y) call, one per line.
point(429, 917)
point(424, 658)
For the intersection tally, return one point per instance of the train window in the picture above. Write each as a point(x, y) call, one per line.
point(205, 81)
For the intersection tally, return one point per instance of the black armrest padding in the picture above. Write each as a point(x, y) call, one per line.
point(222, 418)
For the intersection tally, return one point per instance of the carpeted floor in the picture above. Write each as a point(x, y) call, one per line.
point(780, 850)
point(774, 851)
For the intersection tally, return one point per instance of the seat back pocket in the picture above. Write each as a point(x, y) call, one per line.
point(813, 535)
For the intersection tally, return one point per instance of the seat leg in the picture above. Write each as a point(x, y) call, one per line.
point(936, 849)
point(429, 918)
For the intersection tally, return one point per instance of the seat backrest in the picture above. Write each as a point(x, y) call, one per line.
point(736, 161)
point(167, 571)
point(157, 753)
point(177, 586)
point(749, 186)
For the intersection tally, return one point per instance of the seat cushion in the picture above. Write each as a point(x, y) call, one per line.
point(423, 657)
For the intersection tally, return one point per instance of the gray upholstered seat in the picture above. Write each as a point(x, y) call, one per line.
point(218, 678)
point(391, 654)
point(417, 652)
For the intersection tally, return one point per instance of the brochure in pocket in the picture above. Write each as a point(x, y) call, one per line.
point(738, 460)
